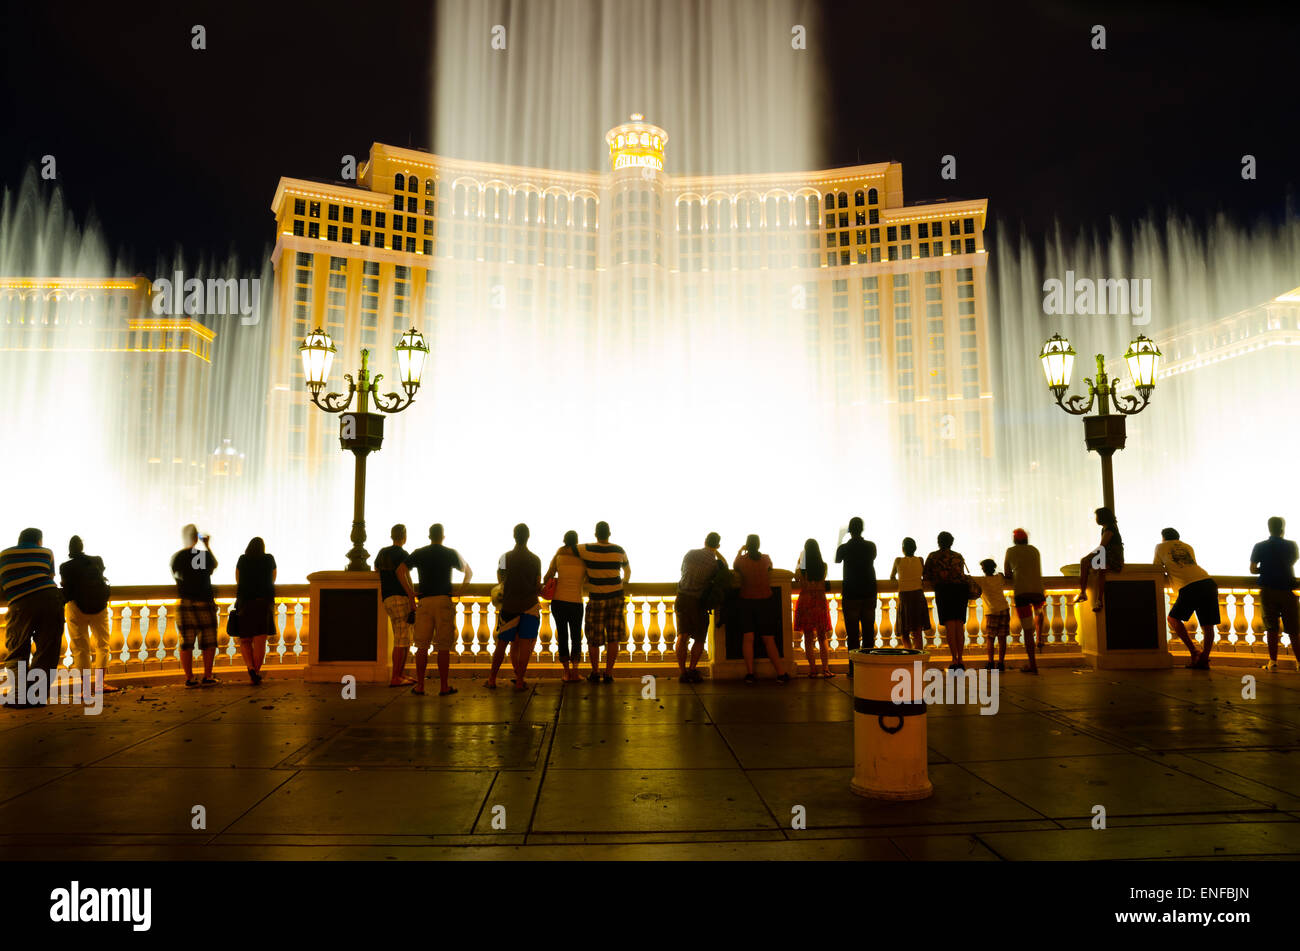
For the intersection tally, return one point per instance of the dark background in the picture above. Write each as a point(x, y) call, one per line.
point(171, 147)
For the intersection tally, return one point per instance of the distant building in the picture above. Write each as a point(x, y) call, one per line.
point(892, 296)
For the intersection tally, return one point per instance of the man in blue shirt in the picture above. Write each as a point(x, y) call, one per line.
point(34, 628)
point(1274, 561)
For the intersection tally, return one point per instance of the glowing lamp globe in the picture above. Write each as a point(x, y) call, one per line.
point(1143, 357)
point(1058, 362)
point(411, 352)
point(317, 357)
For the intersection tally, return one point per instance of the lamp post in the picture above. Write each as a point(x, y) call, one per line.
point(1103, 432)
point(362, 431)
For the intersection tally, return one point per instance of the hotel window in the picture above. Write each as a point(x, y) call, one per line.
point(399, 182)
point(905, 232)
point(410, 224)
point(875, 235)
point(937, 248)
point(844, 257)
point(314, 209)
point(955, 247)
point(830, 221)
point(844, 239)
point(313, 230)
point(299, 206)
point(334, 213)
point(410, 204)
point(379, 239)
point(968, 225)
point(954, 227)
point(844, 220)
point(844, 199)
point(380, 218)
point(303, 276)
point(347, 235)
point(907, 252)
point(893, 252)
point(858, 197)
point(830, 258)
point(428, 206)
point(397, 202)
point(873, 216)
point(365, 216)
point(428, 186)
point(860, 218)
point(338, 280)
point(304, 259)
point(365, 239)
point(891, 233)
point(338, 264)
point(332, 233)
point(298, 229)
point(347, 214)
point(830, 200)
point(428, 247)
point(923, 230)
point(370, 285)
point(862, 236)
point(370, 267)
point(875, 255)
point(923, 249)
point(413, 184)
point(872, 197)
point(410, 245)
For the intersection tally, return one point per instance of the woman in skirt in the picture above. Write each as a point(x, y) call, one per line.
point(812, 615)
point(255, 605)
point(913, 612)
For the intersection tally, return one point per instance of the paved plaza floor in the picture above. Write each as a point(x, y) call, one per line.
point(1182, 763)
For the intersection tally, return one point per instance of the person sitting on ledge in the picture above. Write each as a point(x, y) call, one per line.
point(1107, 556)
point(1194, 592)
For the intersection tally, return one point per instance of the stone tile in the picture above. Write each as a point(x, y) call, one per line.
point(71, 743)
point(958, 797)
point(138, 801)
point(639, 746)
point(16, 781)
point(516, 793)
point(238, 744)
point(630, 708)
point(438, 745)
point(650, 800)
point(293, 707)
point(1124, 783)
point(370, 802)
point(790, 745)
point(1275, 769)
point(1162, 727)
point(944, 848)
point(1008, 736)
point(1220, 840)
point(766, 706)
point(468, 705)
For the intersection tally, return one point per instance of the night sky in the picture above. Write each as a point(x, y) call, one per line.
point(168, 146)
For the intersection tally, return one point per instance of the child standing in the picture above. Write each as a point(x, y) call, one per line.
point(913, 612)
point(812, 616)
point(997, 612)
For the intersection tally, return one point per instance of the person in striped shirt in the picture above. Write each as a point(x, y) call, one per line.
point(607, 571)
point(34, 632)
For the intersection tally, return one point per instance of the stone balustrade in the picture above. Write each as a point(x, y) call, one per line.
point(144, 638)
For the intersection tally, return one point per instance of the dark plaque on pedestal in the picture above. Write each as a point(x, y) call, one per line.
point(1130, 606)
point(347, 625)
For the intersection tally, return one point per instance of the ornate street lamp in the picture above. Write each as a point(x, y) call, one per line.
point(1103, 432)
point(362, 432)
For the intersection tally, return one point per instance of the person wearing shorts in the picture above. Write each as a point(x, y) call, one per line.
point(607, 571)
point(1023, 567)
point(399, 602)
point(519, 572)
point(435, 611)
point(196, 616)
point(997, 612)
point(945, 569)
point(1274, 561)
point(699, 567)
point(754, 614)
point(1196, 593)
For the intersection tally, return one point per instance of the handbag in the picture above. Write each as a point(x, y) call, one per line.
point(548, 589)
point(232, 623)
point(973, 590)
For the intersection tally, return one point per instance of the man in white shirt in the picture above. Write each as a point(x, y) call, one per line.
point(1195, 592)
point(1023, 567)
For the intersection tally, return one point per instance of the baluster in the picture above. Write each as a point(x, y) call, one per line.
point(973, 622)
point(637, 642)
point(484, 632)
point(885, 623)
point(546, 636)
point(670, 626)
point(224, 640)
point(1239, 625)
point(134, 640)
point(1056, 627)
point(654, 634)
point(1256, 620)
point(304, 628)
point(288, 636)
point(838, 632)
point(466, 629)
point(140, 616)
point(171, 636)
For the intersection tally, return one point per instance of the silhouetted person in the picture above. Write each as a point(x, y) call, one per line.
point(1108, 556)
point(435, 613)
point(754, 614)
point(858, 592)
point(1194, 592)
point(569, 572)
point(255, 573)
point(192, 568)
point(812, 615)
point(34, 625)
point(519, 572)
point(1274, 560)
point(700, 566)
point(399, 602)
point(85, 608)
point(997, 612)
point(607, 571)
point(945, 569)
point(913, 612)
point(1023, 566)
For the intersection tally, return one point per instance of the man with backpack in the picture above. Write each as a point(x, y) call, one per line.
point(85, 608)
point(695, 597)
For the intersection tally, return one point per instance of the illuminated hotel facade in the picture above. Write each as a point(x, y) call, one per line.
point(891, 297)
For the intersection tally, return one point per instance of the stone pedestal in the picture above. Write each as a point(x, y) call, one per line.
point(726, 660)
point(348, 629)
point(1130, 633)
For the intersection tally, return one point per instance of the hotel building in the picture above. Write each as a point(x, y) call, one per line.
point(891, 296)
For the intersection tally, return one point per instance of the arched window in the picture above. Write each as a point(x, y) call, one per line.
point(684, 216)
point(830, 200)
point(520, 212)
point(593, 218)
point(399, 182)
point(458, 200)
point(534, 206)
point(413, 184)
point(428, 186)
point(858, 198)
point(872, 197)
point(844, 199)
